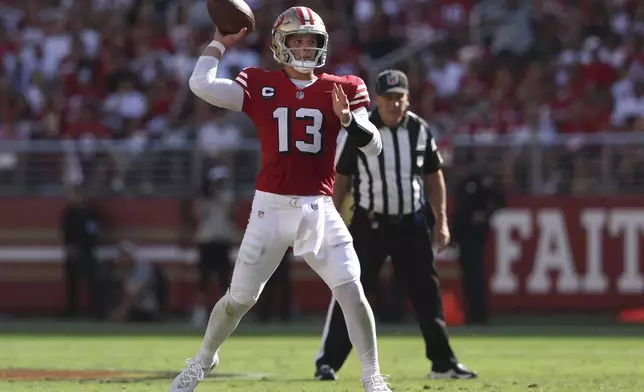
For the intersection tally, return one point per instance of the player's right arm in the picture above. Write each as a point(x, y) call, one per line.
point(434, 182)
point(205, 84)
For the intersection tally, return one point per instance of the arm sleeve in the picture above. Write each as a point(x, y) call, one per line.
point(346, 158)
point(433, 161)
point(366, 134)
point(223, 93)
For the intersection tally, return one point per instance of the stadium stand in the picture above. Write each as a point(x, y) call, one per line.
point(109, 79)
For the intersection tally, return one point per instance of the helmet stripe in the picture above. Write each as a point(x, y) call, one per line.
point(310, 15)
point(301, 15)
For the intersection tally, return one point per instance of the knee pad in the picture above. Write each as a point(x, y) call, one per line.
point(350, 294)
point(235, 307)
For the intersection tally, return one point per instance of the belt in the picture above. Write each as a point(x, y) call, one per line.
point(387, 218)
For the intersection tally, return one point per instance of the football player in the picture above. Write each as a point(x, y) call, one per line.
point(298, 116)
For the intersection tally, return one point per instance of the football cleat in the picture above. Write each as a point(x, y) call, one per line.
point(456, 372)
point(375, 384)
point(325, 373)
point(191, 375)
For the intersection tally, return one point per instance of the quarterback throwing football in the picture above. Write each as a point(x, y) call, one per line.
point(298, 117)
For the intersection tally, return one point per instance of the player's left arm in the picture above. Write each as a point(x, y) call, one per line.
point(435, 188)
point(357, 123)
point(366, 133)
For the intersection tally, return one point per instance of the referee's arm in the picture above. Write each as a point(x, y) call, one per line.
point(346, 165)
point(435, 182)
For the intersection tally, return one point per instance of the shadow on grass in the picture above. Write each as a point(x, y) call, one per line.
point(514, 327)
point(111, 376)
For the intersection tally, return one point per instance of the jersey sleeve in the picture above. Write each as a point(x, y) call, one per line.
point(247, 79)
point(433, 161)
point(358, 94)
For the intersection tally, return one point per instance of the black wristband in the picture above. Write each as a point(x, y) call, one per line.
point(361, 135)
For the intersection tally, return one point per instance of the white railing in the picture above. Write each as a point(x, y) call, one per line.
point(605, 163)
point(114, 167)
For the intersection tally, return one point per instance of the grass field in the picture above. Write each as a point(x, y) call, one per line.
point(512, 359)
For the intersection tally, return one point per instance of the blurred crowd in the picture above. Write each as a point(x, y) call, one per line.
point(88, 70)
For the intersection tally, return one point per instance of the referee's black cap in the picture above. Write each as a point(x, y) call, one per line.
point(391, 81)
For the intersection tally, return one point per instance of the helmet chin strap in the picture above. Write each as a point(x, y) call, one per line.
point(303, 66)
point(299, 66)
point(303, 69)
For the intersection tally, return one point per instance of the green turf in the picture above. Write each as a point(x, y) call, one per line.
point(509, 359)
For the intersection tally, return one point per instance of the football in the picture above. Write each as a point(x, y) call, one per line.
point(230, 16)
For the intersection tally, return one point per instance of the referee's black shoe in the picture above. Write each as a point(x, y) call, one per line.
point(455, 372)
point(325, 373)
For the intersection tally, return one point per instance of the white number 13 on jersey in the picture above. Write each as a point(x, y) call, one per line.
point(316, 119)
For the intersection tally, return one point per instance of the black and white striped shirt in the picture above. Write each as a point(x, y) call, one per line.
point(391, 183)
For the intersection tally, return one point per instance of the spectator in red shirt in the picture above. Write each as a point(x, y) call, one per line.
point(87, 123)
point(579, 119)
point(595, 71)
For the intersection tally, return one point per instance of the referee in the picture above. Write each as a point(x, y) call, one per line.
point(391, 218)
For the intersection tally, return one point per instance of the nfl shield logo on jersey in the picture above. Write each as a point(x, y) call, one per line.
point(299, 95)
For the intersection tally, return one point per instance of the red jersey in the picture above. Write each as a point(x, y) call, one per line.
point(297, 128)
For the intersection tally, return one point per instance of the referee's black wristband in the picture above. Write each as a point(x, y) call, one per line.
point(362, 136)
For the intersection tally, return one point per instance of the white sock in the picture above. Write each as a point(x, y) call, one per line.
point(223, 320)
point(361, 325)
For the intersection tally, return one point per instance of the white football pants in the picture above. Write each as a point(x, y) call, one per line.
point(273, 227)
